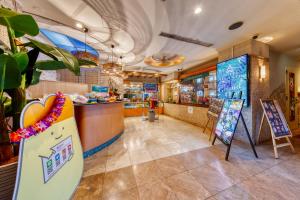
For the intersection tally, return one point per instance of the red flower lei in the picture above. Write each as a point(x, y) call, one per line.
point(43, 124)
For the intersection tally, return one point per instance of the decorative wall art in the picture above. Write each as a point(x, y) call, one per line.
point(232, 76)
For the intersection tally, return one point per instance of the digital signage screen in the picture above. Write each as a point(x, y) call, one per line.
point(232, 78)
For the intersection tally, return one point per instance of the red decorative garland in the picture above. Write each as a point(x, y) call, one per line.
point(43, 124)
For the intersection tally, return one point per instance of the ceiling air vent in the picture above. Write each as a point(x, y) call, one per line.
point(185, 39)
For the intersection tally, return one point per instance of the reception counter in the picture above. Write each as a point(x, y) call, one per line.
point(99, 125)
point(196, 115)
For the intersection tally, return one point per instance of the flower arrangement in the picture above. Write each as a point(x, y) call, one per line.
point(43, 124)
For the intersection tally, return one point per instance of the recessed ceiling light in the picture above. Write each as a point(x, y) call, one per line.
point(197, 10)
point(266, 39)
point(79, 25)
point(235, 25)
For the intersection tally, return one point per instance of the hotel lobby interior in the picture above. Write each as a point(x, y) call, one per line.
point(150, 99)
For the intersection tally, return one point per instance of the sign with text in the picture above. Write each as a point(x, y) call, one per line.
point(150, 87)
point(275, 118)
point(50, 163)
point(215, 107)
point(228, 120)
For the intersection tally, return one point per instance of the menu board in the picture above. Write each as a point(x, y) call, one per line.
point(228, 119)
point(101, 89)
point(150, 87)
point(275, 118)
point(215, 107)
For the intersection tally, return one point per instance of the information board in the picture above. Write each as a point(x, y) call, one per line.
point(215, 107)
point(101, 89)
point(275, 118)
point(150, 87)
point(228, 120)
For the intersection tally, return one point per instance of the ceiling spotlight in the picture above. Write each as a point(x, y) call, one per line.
point(79, 25)
point(266, 39)
point(197, 10)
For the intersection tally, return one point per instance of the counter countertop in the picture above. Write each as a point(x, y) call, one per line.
point(100, 103)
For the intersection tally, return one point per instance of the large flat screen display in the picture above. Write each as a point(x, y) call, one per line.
point(232, 77)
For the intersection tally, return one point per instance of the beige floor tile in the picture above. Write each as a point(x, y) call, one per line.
point(211, 179)
point(288, 169)
point(156, 190)
point(188, 160)
point(158, 151)
point(90, 188)
point(232, 193)
point(118, 181)
point(269, 186)
point(186, 187)
point(206, 155)
point(118, 161)
point(228, 169)
point(139, 156)
point(248, 162)
point(146, 172)
point(131, 194)
point(95, 165)
point(170, 166)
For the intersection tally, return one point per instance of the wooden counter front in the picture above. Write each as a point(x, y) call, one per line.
point(99, 125)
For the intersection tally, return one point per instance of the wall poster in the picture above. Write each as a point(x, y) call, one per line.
point(292, 103)
point(228, 120)
point(50, 158)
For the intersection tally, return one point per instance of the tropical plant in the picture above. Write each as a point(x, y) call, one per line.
point(20, 67)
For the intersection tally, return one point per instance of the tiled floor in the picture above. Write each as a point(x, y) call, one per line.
point(143, 141)
point(154, 161)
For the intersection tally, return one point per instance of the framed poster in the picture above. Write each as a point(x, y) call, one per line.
point(233, 76)
point(228, 120)
point(292, 104)
point(275, 118)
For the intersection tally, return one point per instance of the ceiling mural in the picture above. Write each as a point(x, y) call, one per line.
point(134, 27)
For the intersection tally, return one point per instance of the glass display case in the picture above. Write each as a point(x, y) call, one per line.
point(198, 89)
point(133, 92)
point(187, 93)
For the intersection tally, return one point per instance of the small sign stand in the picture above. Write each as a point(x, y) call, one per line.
point(213, 113)
point(277, 122)
point(228, 141)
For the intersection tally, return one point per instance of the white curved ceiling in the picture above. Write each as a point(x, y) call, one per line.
point(133, 26)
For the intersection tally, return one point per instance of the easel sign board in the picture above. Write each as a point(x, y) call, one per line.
point(275, 118)
point(227, 123)
point(228, 120)
point(215, 107)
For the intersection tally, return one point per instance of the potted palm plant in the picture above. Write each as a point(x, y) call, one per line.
point(20, 68)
